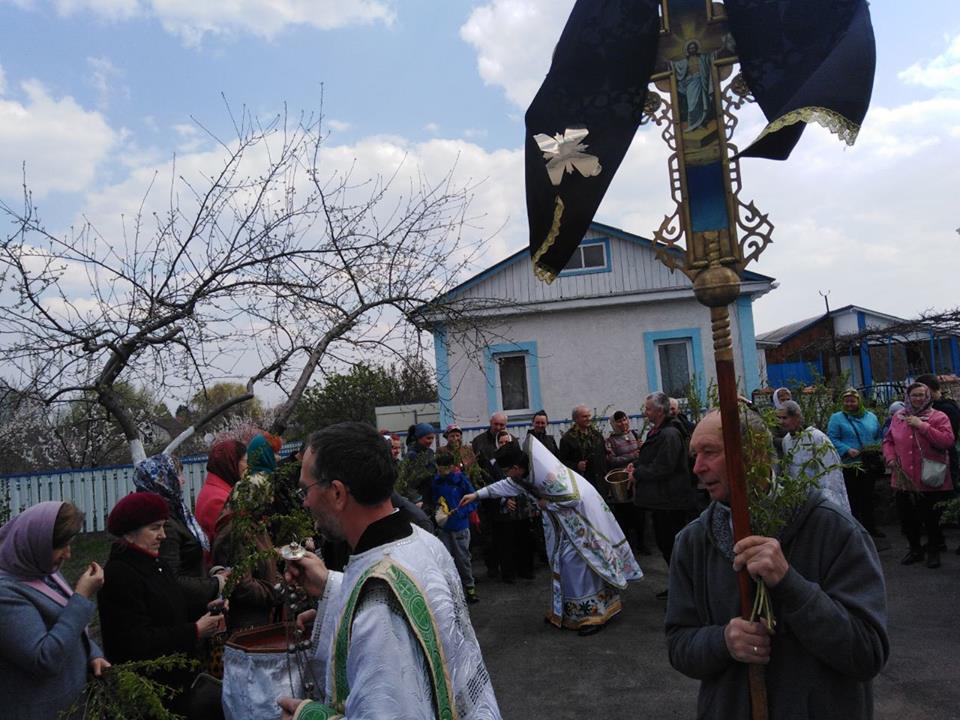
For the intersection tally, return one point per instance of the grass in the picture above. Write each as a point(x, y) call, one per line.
point(87, 548)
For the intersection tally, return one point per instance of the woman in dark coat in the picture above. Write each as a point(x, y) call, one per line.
point(185, 543)
point(144, 612)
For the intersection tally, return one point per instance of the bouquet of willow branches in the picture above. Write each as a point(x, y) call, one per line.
point(773, 498)
point(126, 691)
point(262, 510)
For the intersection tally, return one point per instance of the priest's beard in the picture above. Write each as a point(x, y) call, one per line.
point(330, 527)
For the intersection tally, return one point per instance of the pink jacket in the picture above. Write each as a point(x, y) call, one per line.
point(213, 496)
point(906, 446)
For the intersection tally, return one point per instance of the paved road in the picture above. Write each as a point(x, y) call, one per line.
point(622, 673)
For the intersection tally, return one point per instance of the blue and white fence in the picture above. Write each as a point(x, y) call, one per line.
point(96, 490)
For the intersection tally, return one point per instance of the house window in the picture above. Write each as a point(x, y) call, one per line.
point(513, 377)
point(675, 359)
point(512, 381)
point(589, 257)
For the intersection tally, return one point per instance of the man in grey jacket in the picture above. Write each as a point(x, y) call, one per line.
point(828, 596)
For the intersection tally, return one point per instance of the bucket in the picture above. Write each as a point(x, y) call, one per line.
point(617, 483)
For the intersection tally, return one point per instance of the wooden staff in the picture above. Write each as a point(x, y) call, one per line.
point(717, 287)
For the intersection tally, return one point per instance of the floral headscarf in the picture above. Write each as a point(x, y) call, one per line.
point(159, 475)
point(853, 392)
point(909, 409)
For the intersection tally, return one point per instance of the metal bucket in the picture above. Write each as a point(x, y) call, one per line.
point(616, 481)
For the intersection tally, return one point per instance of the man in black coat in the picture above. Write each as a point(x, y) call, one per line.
point(539, 431)
point(661, 474)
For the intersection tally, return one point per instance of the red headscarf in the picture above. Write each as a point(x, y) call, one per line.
point(224, 460)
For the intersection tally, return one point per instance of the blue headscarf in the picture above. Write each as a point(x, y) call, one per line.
point(159, 475)
point(260, 457)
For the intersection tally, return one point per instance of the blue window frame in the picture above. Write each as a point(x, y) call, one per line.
point(513, 377)
point(674, 357)
point(591, 256)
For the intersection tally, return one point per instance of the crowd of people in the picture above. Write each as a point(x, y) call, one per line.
point(389, 627)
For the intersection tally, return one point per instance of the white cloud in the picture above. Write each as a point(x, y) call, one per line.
point(110, 9)
point(337, 125)
point(103, 76)
point(496, 177)
point(3, 81)
point(514, 40)
point(193, 19)
point(265, 18)
point(62, 143)
point(941, 73)
point(432, 128)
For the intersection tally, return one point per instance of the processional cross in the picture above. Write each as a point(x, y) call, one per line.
point(803, 60)
point(695, 56)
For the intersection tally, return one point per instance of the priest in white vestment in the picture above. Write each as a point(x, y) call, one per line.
point(590, 559)
point(392, 634)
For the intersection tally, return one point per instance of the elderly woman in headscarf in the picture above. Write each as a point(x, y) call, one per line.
point(855, 433)
point(914, 448)
point(895, 407)
point(241, 533)
point(780, 396)
point(45, 652)
point(226, 464)
point(185, 542)
point(144, 612)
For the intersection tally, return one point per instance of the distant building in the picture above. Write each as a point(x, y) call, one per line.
point(614, 326)
point(796, 352)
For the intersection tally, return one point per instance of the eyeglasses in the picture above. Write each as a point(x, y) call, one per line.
point(302, 492)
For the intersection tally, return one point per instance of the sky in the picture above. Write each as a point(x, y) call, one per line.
point(96, 95)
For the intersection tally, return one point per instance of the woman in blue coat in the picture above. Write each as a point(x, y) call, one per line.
point(855, 433)
point(46, 655)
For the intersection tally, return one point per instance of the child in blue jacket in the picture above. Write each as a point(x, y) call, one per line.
point(449, 485)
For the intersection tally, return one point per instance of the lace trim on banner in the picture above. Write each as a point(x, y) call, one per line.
point(545, 274)
point(833, 121)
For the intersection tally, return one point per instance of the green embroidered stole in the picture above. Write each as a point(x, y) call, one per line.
point(418, 615)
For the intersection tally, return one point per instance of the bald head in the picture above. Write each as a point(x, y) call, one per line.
point(581, 416)
point(498, 422)
point(710, 466)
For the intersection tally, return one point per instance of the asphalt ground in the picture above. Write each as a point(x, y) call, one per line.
point(623, 671)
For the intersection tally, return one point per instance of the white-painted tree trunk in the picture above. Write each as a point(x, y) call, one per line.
point(179, 440)
point(137, 453)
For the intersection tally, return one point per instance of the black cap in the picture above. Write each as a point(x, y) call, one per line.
point(510, 455)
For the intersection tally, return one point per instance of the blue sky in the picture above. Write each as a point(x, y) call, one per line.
point(96, 94)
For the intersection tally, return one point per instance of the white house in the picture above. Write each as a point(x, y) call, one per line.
point(614, 326)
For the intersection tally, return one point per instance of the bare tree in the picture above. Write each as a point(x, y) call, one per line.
point(269, 269)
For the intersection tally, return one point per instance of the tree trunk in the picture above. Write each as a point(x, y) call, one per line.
point(210, 415)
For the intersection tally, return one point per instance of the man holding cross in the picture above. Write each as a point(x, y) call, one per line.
point(828, 594)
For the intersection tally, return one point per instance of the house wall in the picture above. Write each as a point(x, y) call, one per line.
point(595, 356)
point(632, 269)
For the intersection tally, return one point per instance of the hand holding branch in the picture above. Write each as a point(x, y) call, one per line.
point(762, 557)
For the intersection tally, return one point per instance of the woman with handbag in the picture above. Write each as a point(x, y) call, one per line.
point(915, 450)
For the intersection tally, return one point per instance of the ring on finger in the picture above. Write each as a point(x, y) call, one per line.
point(755, 650)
